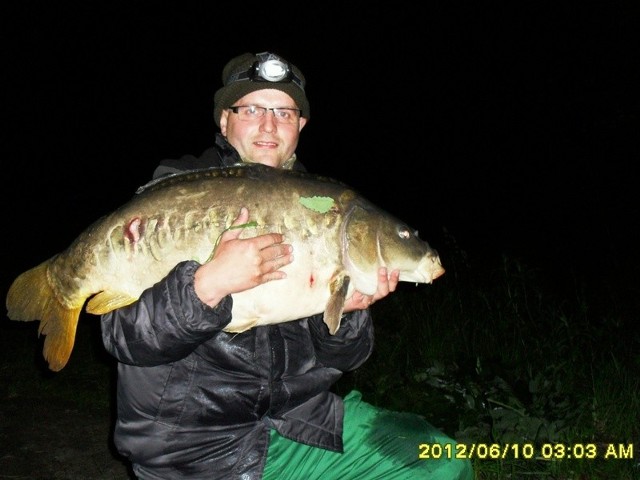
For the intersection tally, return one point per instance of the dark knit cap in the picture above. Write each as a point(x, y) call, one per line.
point(246, 73)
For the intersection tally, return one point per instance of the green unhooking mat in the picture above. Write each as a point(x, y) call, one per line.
point(378, 444)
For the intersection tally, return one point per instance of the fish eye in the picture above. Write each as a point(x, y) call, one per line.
point(404, 233)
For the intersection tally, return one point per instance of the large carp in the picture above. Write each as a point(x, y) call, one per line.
point(339, 240)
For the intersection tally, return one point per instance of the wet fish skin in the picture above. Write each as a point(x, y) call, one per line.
point(340, 239)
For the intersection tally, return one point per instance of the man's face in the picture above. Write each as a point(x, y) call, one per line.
point(263, 140)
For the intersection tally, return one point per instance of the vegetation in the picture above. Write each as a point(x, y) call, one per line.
point(499, 356)
point(525, 370)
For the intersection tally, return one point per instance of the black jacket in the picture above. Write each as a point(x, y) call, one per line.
point(197, 402)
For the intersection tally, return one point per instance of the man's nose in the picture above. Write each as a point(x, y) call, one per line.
point(268, 122)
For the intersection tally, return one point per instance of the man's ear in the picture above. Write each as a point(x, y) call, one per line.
point(302, 123)
point(223, 122)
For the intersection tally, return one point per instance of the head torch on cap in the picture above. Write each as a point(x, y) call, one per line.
point(268, 68)
point(248, 73)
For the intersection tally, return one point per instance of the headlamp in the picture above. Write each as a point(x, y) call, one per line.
point(268, 68)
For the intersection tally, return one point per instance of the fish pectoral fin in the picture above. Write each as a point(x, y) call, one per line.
point(333, 312)
point(106, 301)
point(239, 327)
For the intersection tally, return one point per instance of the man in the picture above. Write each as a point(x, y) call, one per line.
point(195, 402)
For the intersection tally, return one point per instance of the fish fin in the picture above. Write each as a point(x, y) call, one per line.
point(241, 327)
point(31, 297)
point(106, 301)
point(333, 312)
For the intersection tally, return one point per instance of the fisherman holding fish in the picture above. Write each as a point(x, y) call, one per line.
point(198, 402)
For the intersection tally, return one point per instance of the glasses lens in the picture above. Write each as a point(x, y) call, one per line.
point(286, 115)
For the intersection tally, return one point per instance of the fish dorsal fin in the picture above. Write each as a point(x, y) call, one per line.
point(338, 287)
point(106, 301)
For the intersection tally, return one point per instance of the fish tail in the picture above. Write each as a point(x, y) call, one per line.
point(31, 297)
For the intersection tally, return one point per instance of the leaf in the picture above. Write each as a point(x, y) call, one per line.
point(318, 204)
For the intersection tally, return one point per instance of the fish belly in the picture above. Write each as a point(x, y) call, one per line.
point(304, 292)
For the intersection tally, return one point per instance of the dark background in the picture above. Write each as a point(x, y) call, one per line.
point(513, 127)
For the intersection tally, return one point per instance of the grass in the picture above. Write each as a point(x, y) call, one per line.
point(495, 354)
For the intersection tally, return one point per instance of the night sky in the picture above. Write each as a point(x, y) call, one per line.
point(515, 128)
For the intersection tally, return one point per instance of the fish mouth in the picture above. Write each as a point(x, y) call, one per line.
point(437, 270)
point(428, 270)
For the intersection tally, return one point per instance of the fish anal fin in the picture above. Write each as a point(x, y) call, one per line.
point(107, 301)
point(338, 287)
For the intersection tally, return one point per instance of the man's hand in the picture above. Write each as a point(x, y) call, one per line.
point(240, 264)
point(387, 283)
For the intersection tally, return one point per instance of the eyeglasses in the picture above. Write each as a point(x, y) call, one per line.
point(248, 113)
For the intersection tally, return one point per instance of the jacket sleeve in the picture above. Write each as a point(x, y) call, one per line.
point(166, 323)
point(351, 345)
